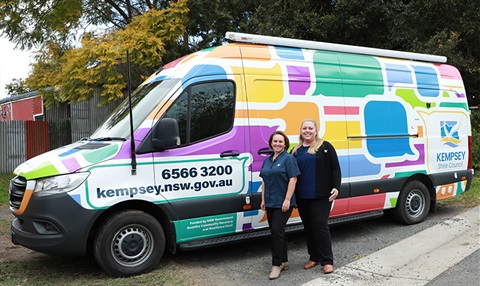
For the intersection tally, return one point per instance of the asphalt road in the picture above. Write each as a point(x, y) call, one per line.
point(249, 263)
point(466, 272)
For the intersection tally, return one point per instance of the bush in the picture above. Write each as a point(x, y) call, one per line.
point(475, 139)
point(4, 181)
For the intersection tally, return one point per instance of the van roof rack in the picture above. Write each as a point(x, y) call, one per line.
point(287, 42)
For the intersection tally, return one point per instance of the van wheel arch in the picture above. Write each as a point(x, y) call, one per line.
point(129, 242)
point(161, 214)
point(414, 200)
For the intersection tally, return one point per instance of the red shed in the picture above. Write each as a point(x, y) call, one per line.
point(25, 107)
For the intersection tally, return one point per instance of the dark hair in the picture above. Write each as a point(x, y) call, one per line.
point(285, 138)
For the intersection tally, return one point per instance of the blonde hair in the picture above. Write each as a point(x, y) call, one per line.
point(316, 144)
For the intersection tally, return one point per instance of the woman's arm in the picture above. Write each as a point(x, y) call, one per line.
point(290, 189)
point(335, 170)
point(262, 204)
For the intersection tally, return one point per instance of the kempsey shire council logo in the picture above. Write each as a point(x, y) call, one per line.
point(449, 133)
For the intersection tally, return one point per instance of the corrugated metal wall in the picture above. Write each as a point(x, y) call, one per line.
point(21, 140)
point(59, 128)
point(13, 145)
point(69, 123)
point(88, 115)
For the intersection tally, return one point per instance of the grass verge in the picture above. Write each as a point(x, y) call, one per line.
point(49, 270)
point(469, 199)
point(4, 181)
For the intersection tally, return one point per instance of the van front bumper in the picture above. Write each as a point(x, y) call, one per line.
point(54, 225)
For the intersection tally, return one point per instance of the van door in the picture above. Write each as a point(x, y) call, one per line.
point(337, 119)
point(205, 177)
point(364, 91)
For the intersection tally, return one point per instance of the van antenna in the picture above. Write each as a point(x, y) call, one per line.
point(132, 139)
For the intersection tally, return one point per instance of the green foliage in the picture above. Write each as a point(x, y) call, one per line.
point(17, 86)
point(100, 61)
point(208, 21)
point(4, 181)
point(32, 23)
point(476, 139)
point(443, 27)
point(469, 199)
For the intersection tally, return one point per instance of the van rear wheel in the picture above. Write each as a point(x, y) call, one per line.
point(129, 243)
point(413, 203)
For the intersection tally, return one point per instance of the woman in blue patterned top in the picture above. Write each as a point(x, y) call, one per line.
point(279, 174)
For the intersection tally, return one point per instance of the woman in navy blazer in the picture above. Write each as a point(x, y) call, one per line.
point(316, 188)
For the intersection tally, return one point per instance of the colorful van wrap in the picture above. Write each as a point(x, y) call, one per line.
point(390, 120)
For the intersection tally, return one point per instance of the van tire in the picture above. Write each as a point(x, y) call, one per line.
point(143, 241)
point(413, 203)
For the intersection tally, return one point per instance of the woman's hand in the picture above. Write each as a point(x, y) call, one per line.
point(285, 205)
point(262, 205)
point(334, 195)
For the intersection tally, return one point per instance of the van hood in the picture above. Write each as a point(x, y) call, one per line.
point(68, 159)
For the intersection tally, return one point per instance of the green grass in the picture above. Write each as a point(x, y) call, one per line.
point(51, 270)
point(469, 199)
point(4, 181)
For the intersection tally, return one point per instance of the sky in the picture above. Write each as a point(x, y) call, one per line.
point(14, 63)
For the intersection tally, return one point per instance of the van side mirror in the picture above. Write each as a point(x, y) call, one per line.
point(166, 134)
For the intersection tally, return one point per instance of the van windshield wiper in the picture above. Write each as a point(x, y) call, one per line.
point(107, 139)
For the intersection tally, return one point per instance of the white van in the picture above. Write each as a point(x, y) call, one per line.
point(183, 170)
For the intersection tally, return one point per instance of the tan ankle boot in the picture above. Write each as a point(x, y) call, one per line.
point(275, 272)
point(284, 266)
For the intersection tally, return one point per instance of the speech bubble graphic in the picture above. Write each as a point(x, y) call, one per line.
point(298, 79)
point(398, 74)
point(361, 166)
point(427, 81)
point(215, 71)
point(387, 126)
point(289, 53)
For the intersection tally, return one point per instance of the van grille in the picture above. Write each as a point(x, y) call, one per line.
point(17, 190)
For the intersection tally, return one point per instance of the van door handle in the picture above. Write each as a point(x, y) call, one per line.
point(265, 151)
point(229, 153)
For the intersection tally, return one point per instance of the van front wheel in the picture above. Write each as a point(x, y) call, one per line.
point(413, 203)
point(129, 243)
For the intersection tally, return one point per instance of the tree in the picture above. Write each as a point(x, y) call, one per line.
point(31, 23)
point(444, 27)
point(63, 73)
point(17, 86)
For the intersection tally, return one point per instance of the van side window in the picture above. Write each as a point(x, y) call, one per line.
point(204, 110)
point(178, 110)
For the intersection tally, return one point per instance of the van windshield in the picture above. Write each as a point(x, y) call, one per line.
point(144, 100)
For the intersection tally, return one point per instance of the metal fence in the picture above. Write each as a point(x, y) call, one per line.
point(86, 116)
point(64, 124)
point(13, 149)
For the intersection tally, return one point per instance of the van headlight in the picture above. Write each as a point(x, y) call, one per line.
point(59, 184)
